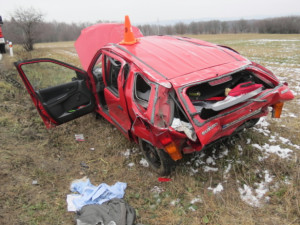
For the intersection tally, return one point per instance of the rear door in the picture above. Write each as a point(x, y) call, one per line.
point(116, 71)
point(59, 91)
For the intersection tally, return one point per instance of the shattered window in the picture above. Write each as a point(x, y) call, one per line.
point(112, 69)
point(142, 91)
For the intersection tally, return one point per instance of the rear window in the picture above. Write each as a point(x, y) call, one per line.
point(142, 91)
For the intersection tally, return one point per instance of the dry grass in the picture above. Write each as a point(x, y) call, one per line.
point(52, 157)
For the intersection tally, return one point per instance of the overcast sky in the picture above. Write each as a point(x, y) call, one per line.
point(153, 10)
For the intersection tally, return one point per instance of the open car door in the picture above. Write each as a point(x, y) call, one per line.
point(59, 91)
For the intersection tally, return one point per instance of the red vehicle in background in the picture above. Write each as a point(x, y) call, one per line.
point(2, 40)
point(171, 95)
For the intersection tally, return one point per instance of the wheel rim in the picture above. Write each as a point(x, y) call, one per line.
point(152, 155)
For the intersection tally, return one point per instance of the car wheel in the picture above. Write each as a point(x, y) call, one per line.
point(158, 159)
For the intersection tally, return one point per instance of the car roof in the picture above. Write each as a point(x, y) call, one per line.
point(172, 57)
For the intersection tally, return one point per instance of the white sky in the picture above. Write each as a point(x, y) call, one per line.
point(153, 10)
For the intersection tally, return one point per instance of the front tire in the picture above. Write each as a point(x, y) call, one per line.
point(158, 159)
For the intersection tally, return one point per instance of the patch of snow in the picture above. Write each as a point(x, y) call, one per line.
point(292, 115)
point(287, 180)
point(275, 149)
point(272, 138)
point(131, 164)
point(284, 140)
point(191, 208)
point(263, 122)
point(156, 190)
point(248, 141)
point(274, 40)
point(126, 153)
point(217, 189)
point(268, 178)
point(252, 196)
point(144, 162)
point(175, 202)
point(262, 131)
point(195, 200)
point(228, 168)
point(223, 153)
point(257, 146)
point(193, 171)
point(248, 197)
point(240, 149)
point(207, 169)
point(210, 160)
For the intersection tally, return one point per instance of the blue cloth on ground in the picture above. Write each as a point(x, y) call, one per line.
point(90, 194)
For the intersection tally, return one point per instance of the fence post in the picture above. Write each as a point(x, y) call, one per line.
point(11, 52)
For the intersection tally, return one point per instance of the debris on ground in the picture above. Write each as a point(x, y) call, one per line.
point(113, 212)
point(164, 179)
point(35, 182)
point(79, 137)
point(84, 165)
point(90, 194)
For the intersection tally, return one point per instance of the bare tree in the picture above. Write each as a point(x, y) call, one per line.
point(28, 20)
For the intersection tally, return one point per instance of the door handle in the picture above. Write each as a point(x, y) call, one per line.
point(120, 107)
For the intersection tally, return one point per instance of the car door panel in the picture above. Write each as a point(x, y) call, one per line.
point(115, 96)
point(61, 103)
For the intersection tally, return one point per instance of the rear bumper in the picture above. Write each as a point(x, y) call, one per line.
point(230, 120)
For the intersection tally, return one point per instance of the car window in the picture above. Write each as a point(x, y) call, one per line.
point(142, 91)
point(97, 69)
point(43, 75)
point(112, 69)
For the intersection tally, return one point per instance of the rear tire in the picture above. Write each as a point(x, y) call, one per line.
point(158, 159)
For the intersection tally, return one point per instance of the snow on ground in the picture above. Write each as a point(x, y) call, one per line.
point(266, 149)
point(174, 202)
point(195, 200)
point(217, 189)
point(126, 153)
point(209, 169)
point(156, 190)
point(273, 40)
point(144, 162)
point(255, 197)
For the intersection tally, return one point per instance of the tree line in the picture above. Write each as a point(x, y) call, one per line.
point(28, 27)
point(279, 25)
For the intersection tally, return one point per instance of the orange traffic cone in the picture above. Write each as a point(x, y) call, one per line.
point(129, 38)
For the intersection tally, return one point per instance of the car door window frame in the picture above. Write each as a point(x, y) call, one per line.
point(110, 64)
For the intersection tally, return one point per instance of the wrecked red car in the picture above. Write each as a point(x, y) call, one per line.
point(172, 95)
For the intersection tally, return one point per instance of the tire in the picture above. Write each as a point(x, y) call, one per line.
point(158, 159)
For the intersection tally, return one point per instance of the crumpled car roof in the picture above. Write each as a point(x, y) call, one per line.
point(95, 37)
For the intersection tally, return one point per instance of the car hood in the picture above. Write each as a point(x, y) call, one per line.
point(95, 37)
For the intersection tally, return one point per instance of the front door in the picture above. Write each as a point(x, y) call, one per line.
point(59, 91)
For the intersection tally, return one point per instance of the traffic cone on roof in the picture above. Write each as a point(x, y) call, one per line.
point(129, 38)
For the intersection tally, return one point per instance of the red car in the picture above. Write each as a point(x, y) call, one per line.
point(172, 95)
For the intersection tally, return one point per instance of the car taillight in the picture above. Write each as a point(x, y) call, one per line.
point(277, 109)
point(171, 147)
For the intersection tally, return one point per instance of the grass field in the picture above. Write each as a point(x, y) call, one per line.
point(253, 179)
